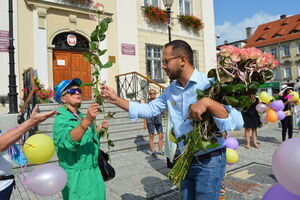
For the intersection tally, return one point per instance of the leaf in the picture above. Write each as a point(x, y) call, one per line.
point(93, 46)
point(94, 35)
point(101, 133)
point(227, 89)
point(110, 115)
point(96, 73)
point(239, 87)
point(86, 56)
point(254, 85)
point(110, 143)
point(104, 26)
point(232, 101)
point(107, 65)
point(87, 84)
point(101, 36)
point(200, 94)
point(212, 73)
point(100, 53)
point(95, 60)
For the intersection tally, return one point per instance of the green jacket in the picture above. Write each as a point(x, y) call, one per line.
point(79, 159)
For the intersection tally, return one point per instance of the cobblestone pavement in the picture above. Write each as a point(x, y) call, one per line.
point(140, 176)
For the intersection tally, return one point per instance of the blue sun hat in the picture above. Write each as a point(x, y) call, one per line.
point(62, 86)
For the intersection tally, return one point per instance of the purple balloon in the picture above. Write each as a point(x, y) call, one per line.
point(278, 192)
point(232, 143)
point(281, 115)
point(46, 180)
point(277, 105)
point(285, 164)
point(261, 107)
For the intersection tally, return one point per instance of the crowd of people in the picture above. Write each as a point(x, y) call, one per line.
point(77, 141)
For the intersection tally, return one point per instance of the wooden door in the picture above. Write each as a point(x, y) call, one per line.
point(68, 65)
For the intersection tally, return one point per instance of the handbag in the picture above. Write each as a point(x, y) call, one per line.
point(107, 171)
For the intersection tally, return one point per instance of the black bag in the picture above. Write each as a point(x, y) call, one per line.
point(107, 171)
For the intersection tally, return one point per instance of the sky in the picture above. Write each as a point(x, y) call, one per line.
point(233, 16)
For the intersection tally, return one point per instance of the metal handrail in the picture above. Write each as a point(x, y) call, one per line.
point(135, 86)
point(29, 100)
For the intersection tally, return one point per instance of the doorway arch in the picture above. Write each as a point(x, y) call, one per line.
point(68, 62)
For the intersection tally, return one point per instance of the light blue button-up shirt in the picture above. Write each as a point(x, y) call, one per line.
point(177, 100)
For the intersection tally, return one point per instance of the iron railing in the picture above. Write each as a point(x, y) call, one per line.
point(29, 100)
point(135, 86)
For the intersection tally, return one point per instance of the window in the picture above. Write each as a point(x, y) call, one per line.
point(276, 74)
point(185, 7)
point(286, 50)
point(152, 3)
point(288, 73)
point(274, 52)
point(154, 63)
point(298, 49)
point(196, 59)
point(298, 69)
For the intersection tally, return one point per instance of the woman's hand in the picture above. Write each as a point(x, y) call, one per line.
point(109, 94)
point(36, 117)
point(92, 112)
point(102, 125)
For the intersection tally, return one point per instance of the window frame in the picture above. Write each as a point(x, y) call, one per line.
point(286, 50)
point(183, 12)
point(153, 60)
point(151, 3)
point(285, 72)
point(274, 52)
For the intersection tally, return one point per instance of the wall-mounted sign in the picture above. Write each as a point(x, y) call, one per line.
point(4, 42)
point(128, 49)
point(61, 62)
point(72, 40)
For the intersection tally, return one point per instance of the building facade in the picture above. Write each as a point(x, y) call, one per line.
point(51, 35)
point(282, 39)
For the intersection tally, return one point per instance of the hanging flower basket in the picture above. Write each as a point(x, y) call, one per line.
point(191, 22)
point(155, 15)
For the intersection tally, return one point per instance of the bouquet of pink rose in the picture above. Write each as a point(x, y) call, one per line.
point(238, 74)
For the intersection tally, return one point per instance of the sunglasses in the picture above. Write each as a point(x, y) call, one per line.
point(151, 93)
point(72, 91)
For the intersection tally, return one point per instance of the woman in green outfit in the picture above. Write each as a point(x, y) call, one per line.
point(77, 144)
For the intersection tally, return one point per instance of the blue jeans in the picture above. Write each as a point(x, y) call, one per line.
point(204, 179)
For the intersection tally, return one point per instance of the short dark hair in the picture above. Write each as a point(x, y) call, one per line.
point(180, 47)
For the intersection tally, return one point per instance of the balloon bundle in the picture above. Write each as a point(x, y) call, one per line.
point(48, 179)
point(232, 155)
point(271, 110)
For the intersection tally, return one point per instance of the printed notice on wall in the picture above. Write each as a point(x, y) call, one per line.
point(4, 42)
point(61, 62)
point(128, 49)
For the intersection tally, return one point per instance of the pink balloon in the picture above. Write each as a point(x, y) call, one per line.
point(231, 143)
point(281, 115)
point(285, 164)
point(263, 118)
point(277, 192)
point(261, 107)
point(46, 180)
point(277, 105)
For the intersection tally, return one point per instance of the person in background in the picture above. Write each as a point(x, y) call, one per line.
point(9, 138)
point(77, 144)
point(287, 122)
point(204, 177)
point(251, 122)
point(152, 124)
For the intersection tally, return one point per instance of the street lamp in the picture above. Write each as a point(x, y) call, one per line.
point(12, 95)
point(168, 5)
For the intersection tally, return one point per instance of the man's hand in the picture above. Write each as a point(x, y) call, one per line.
point(92, 112)
point(109, 94)
point(207, 104)
point(198, 108)
point(36, 117)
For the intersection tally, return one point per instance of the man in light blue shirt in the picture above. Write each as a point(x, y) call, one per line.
point(205, 175)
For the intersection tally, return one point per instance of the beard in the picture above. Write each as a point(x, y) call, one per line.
point(174, 74)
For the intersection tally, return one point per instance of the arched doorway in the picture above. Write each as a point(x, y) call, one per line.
point(68, 62)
